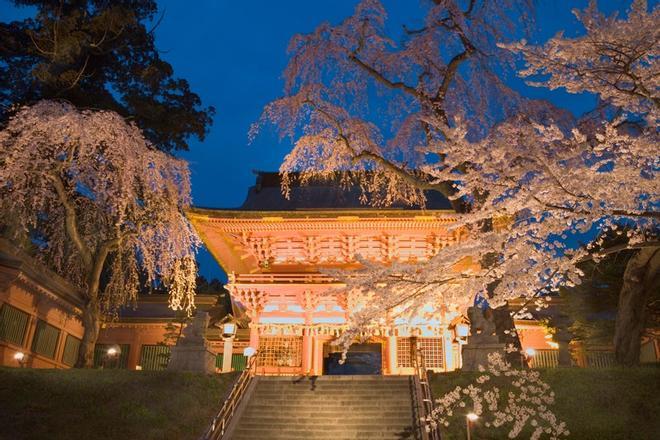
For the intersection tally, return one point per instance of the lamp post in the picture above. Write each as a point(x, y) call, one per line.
point(228, 333)
point(469, 418)
point(19, 357)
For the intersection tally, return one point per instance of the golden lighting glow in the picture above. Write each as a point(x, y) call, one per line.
point(472, 417)
point(462, 330)
point(228, 329)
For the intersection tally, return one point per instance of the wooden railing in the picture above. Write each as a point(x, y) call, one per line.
point(223, 418)
point(597, 357)
point(425, 403)
point(600, 358)
point(545, 359)
point(268, 278)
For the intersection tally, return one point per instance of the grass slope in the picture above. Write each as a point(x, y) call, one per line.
point(596, 404)
point(107, 404)
point(118, 404)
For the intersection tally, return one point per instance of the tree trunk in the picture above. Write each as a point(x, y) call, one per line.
point(92, 323)
point(641, 277)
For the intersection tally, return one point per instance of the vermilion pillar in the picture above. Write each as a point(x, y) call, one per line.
point(254, 336)
point(307, 352)
point(391, 354)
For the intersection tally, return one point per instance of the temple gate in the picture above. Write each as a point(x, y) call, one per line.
point(274, 260)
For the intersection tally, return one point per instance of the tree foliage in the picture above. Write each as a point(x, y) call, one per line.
point(616, 59)
point(433, 113)
point(591, 305)
point(104, 206)
point(99, 54)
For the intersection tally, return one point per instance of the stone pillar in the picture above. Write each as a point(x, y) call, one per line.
point(392, 355)
point(448, 348)
point(227, 351)
point(580, 354)
point(564, 338)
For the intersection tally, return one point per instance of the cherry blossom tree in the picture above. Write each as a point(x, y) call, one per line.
point(433, 114)
point(339, 77)
point(618, 60)
point(503, 397)
point(103, 206)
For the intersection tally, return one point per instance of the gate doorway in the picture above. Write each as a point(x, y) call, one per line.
point(360, 359)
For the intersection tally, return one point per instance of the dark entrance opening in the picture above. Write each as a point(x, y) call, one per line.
point(360, 359)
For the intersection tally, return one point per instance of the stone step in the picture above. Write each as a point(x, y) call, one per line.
point(265, 434)
point(255, 416)
point(318, 390)
point(396, 410)
point(329, 426)
point(328, 409)
point(333, 386)
point(331, 407)
point(337, 399)
point(292, 431)
point(310, 435)
point(338, 378)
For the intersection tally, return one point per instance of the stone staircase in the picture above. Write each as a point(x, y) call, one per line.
point(328, 407)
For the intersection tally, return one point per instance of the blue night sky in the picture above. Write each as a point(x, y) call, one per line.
point(233, 54)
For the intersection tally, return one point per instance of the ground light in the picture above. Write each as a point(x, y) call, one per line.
point(529, 356)
point(469, 418)
point(111, 357)
point(19, 357)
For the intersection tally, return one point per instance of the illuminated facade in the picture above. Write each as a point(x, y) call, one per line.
point(274, 249)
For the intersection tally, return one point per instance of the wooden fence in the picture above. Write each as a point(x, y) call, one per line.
point(592, 358)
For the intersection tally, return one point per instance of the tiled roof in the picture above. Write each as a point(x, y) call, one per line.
point(266, 195)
